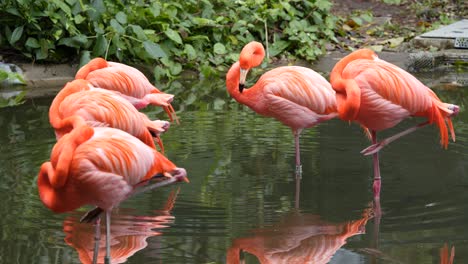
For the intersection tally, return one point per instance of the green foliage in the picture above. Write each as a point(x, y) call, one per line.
point(11, 98)
point(169, 35)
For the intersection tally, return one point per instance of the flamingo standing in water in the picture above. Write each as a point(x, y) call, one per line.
point(79, 102)
point(101, 166)
point(378, 95)
point(131, 83)
point(296, 96)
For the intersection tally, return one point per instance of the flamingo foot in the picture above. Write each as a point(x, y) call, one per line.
point(374, 148)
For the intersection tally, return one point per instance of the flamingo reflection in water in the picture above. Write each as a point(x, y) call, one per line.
point(299, 238)
point(128, 233)
point(445, 258)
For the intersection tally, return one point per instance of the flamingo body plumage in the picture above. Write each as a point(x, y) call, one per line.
point(80, 103)
point(388, 94)
point(378, 95)
point(98, 166)
point(296, 96)
point(131, 83)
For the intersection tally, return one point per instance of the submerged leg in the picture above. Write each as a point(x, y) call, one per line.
point(97, 239)
point(377, 146)
point(375, 158)
point(298, 193)
point(107, 259)
point(376, 231)
point(297, 134)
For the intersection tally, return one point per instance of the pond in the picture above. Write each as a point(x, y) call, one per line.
point(243, 194)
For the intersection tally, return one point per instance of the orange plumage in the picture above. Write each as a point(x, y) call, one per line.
point(131, 83)
point(98, 166)
point(80, 103)
point(378, 95)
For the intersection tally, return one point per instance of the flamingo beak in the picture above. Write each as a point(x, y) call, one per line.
point(243, 76)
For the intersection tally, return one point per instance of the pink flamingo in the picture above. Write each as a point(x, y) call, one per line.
point(296, 96)
point(101, 166)
point(378, 95)
point(128, 81)
point(80, 103)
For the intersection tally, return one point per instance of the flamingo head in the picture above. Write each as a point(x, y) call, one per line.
point(251, 56)
point(364, 54)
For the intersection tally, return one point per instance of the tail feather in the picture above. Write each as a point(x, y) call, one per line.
point(450, 125)
point(437, 117)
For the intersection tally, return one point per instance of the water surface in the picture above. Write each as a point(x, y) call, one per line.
point(242, 194)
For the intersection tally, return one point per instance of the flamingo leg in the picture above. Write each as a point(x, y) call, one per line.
point(297, 134)
point(298, 193)
point(107, 259)
point(376, 231)
point(377, 146)
point(97, 239)
point(375, 158)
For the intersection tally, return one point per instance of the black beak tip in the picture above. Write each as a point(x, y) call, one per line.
point(241, 87)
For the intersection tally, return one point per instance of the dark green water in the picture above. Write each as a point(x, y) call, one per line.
point(242, 194)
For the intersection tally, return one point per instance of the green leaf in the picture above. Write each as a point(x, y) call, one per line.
point(155, 9)
point(367, 17)
point(3, 75)
point(32, 43)
point(175, 69)
point(139, 32)
point(173, 35)
point(121, 17)
point(13, 11)
point(277, 47)
point(219, 48)
point(100, 47)
point(65, 8)
point(79, 19)
point(323, 5)
point(153, 50)
point(117, 27)
point(358, 20)
point(190, 52)
point(85, 58)
point(16, 35)
point(200, 21)
point(43, 52)
point(97, 9)
point(74, 42)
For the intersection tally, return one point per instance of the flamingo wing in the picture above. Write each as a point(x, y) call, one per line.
point(300, 86)
point(391, 84)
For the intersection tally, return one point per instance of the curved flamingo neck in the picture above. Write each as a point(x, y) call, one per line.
point(92, 65)
point(336, 75)
point(57, 200)
point(232, 85)
point(54, 191)
point(75, 86)
point(348, 92)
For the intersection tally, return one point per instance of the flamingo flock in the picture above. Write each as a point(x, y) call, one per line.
point(363, 88)
point(106, 149)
